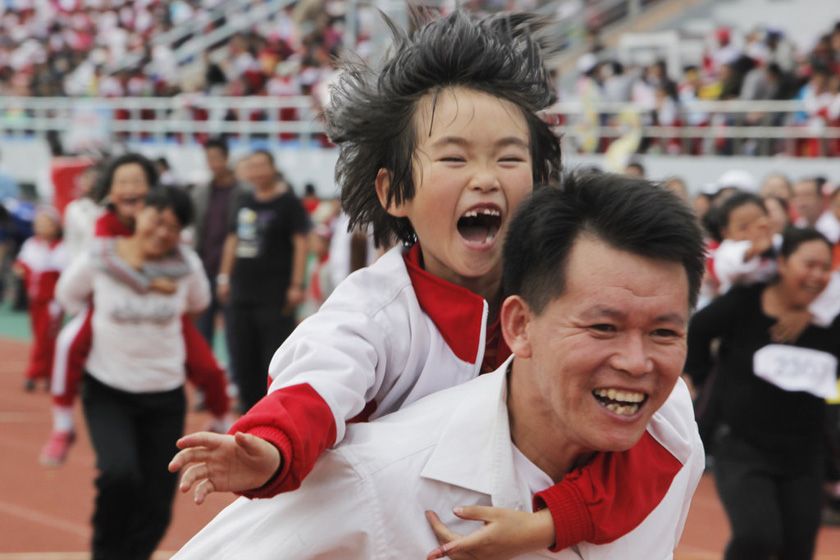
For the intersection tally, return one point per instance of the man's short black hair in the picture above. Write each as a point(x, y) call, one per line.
point(172, 197)
point(218, 143)
point(103, 187)
point(628, 214)
point(371, 115)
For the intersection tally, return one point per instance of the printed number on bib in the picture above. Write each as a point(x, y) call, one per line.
point(798, 369)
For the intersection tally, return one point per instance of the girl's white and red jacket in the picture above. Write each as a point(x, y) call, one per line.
point(391, 334)
point(42, 263)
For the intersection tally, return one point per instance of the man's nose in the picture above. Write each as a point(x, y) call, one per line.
point(632, 355)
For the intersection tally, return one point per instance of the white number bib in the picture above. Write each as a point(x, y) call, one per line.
point(798, 369)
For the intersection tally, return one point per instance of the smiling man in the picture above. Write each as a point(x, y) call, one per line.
point(601, 275)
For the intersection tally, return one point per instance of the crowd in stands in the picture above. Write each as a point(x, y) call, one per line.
point(762, 65)
point(76, 47)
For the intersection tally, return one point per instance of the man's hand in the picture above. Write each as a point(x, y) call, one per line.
point(224, 463)
point(223, 293)
point(294, 297)
point(506, 533)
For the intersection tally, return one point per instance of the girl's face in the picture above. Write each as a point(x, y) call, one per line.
point(45, 227)
point(473, 169)
point(746, 222)
point(804, 274)
point(159, 231)
point(129, 188)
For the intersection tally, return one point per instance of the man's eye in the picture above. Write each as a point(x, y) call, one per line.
point(603, 327)
point(665, 333)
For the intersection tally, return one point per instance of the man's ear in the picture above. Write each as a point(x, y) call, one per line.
point(515, 319)
point(383, 187)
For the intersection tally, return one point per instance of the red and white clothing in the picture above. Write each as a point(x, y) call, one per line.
point(42, 263)
point(366, 498)
point(75, 340)
point(392, 334)
point(730, 267)
point(137, 342)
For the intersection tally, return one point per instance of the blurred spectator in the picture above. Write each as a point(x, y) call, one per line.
point(776, 184)
point(81, 214)
point(9, 187)
point(165, 175)
point(778, 213)
point(809, 202)
point(678, 187)
point(9, 191)
point(214, 204)
point(635, 169)
point(262, 272)
point(723, 52)
point(310, 200)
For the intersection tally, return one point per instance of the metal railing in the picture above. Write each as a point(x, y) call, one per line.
point(780, 126)
point(183, 119)
point(762, 128)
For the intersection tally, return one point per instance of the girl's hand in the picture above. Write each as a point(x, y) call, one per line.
point(506, 533)
point(163, 286)
point(224, 463)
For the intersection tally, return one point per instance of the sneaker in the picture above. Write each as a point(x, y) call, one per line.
point(55, 450)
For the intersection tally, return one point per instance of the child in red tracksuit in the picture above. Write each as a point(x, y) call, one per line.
point(40, 262)
point(125, 183)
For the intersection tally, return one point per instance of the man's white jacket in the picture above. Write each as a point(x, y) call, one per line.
point(366, 498)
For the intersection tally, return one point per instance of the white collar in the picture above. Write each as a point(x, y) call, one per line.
point(474, 450)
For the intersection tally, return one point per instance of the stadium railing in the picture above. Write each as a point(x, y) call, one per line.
point(778, 126)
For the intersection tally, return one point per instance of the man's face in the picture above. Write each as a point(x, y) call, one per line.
point(216, 161)
point(605, 355)
point(261, 171)
point(807, 201)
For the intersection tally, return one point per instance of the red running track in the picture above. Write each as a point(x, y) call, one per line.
point(44, 513)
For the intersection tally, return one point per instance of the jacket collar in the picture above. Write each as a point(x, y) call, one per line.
point(475, 450)
point(458, 314)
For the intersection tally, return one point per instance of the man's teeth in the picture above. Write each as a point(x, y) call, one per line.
point(629, 410)
point(623, 396)
point(620, 402)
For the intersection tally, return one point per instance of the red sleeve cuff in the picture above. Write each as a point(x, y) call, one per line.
point(299, 423)
point(277, 438)
point(572, 521)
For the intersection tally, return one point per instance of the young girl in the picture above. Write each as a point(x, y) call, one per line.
point(40, 262)
point(124, 185)
point(437, 151)
point(746, 251)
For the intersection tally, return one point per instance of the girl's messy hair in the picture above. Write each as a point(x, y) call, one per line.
point(371, 113)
